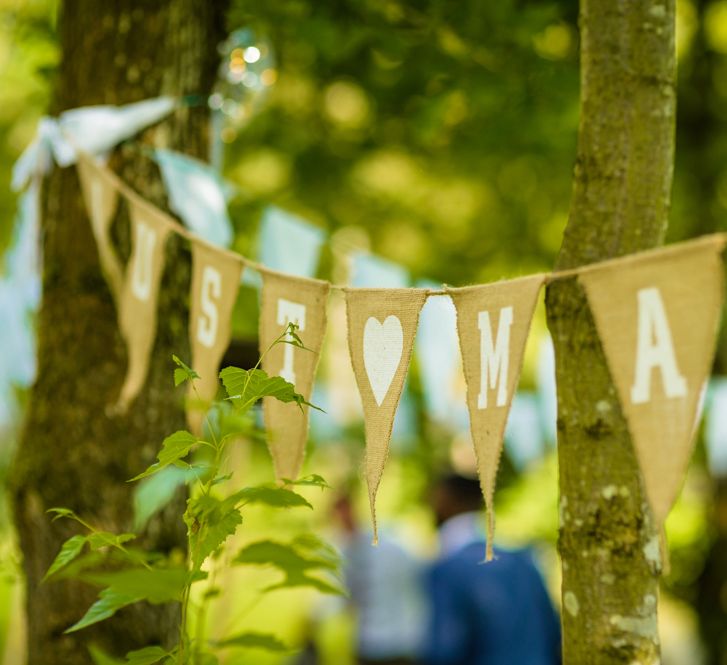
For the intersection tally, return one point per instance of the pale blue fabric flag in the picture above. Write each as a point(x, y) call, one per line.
point(438, 357)
point(715, 429)
point(198, 195)
point(92, 129)
point(369, 271)
point(286, 243)
point(524, 434)
point(289, 244)
point(547, 394)
point(20, 291)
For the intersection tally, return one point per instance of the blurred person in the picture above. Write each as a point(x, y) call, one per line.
point(498, 613)
point(384, 584)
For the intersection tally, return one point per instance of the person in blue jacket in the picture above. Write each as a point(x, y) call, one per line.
point(496, 613)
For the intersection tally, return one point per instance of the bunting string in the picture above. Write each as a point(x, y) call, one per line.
point(656, 312)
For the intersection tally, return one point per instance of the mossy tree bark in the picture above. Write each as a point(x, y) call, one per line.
point(622, 184)
point(75, 452)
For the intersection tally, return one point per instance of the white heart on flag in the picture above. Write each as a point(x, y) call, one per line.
point(383, 345)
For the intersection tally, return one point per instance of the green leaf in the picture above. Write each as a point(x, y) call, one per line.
point(109, 602)
point(213, 522)
point(183, 372)
point(293, 563)
point(100, 539)
point(313, 480)
point(175, 447)
point(63, 512)
point(100, 657)
point(69, 551)
point(146, 656)
point(152, 494)
point(157, 585)
point(278, 497)
point(245, 387)
point(255, 641)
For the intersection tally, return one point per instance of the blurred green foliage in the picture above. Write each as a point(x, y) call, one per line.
point(439, 135)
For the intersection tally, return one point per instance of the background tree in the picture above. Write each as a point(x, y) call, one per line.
point(620, 204)
point(74, 451)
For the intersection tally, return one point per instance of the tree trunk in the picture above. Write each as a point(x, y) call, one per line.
point(74, 451)
point(622, 183)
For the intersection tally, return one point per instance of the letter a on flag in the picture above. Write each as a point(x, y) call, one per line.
point(138, 305)
point(215, 283)
point(493, 322)
point(657, 316)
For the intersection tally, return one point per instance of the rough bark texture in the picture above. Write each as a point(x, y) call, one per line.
point(620, 204)
point(74, 451)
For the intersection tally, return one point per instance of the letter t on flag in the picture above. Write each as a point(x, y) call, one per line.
point(493, 322)
point(657, 316)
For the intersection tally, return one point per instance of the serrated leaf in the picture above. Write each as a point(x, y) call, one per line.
point(255, 641)
point(278, 497)
point(146, 656)
point(68, 552)
point(183, 372)
point(313, 480)
point(213, 529)
point(109, 602)
point(296, 566)
point(245, 387)
point(174, 448)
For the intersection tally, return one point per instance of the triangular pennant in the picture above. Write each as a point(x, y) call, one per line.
point(657, 316)
point(101, 199)
point(138, 304)
point(493, 322)
point(382, 324)
point(303, 302)
point(215, 283)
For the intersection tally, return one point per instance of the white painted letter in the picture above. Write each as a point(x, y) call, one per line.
point(654, 348)
point(146, 238)
point(290, 312)
point(210, 290)
point(494, 359)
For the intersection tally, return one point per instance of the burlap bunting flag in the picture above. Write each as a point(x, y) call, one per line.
point(382, 324)
point(303, 302)
point(138, 305)
point(215, 283)
point(493, 322)
point(101, 198)
point(657, 316)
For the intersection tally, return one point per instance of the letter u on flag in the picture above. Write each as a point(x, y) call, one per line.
point(657, 316)
point(138, 306)
point(493, 322)
point(302, 302)
point(215, 283)
point(382, 324)
point(101, 199)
